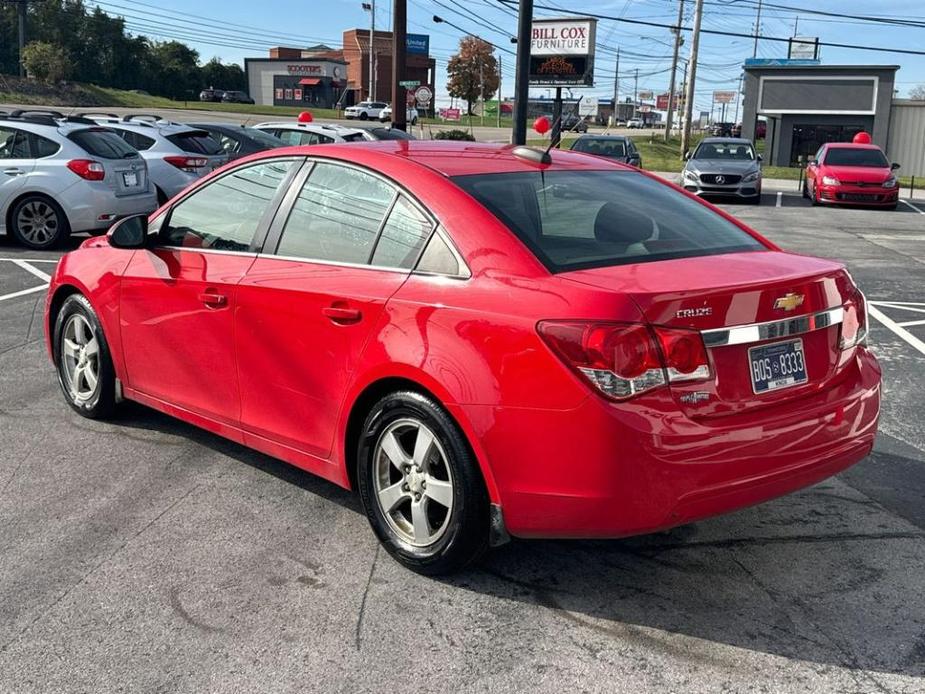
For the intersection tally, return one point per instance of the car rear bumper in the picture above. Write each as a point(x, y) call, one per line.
point(858, 195)
point(91, 207)
point(611, 470)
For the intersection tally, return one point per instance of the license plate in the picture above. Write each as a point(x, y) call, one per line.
point(859, 197)
point(130, 178)
point(776, 366)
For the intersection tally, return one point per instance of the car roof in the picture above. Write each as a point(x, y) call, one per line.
point(730, 140)
point(850, 145)
point(452, 158)
point(161, 127)
point(311, 127)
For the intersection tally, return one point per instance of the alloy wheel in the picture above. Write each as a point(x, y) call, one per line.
point(80, 359)
point(38, 222)
point(413, 482)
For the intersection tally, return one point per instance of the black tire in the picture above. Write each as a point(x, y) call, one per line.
point(47, 237)
point(465, 526)
point(893, 206)
point(101, 402)
point(364, 115)
point(812, 196)
point(756, 200)
point(804, 192)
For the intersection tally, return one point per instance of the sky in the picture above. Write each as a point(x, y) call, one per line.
point(235, 29)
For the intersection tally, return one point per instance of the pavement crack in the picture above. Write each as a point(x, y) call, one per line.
point(358, 636)
point(177, 605)
point(95, 567)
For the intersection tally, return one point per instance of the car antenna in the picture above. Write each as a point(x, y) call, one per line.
point(558, 125)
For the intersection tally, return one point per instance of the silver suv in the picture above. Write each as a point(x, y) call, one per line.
point(59, 175)
point(177, 154)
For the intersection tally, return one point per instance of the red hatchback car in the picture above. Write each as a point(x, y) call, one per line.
point(482, 344)
point(848, 173)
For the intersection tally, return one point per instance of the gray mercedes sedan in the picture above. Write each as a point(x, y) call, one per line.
point(724, 167)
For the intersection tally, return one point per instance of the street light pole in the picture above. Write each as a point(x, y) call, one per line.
point(616, 88)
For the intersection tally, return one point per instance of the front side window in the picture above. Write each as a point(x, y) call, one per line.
point(581, 219)
point(847, 156)
point(225, 214)
point(725, 151)
point(336, 216)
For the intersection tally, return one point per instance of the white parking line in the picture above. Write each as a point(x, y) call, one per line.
point(909, 204)
point(23, 292)
point(34, 270)
point(896, 328)
point(910, 323)
point(780, 197)
point(33, 260)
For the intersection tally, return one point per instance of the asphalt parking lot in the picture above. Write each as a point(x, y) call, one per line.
point(144, 555)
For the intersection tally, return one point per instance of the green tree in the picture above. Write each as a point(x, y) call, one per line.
point(473, 71)
point(46, 61)
point(221, 76)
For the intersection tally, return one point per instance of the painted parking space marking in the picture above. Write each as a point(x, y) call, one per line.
point(906, 202)
point(27, 266)
point(780, 198)
point(899, 327)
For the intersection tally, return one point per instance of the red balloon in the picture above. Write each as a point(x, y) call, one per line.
point(306, 117)
point(542, 125)
point(862, 138)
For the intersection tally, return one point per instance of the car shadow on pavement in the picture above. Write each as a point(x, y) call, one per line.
point(825, 575)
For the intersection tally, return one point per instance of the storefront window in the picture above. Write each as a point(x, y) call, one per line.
point(807, 139)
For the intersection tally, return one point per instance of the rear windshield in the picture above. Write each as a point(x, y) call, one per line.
point(573, 220)
point(729, 151)
point(196, 142)
point(102, 143)
point(353, 137)
point(392, 134)
point(602, 148)
point(265, 139)
point(844, 156)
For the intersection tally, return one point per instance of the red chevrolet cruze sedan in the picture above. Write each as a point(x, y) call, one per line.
point(853, 174)
point(482, 342)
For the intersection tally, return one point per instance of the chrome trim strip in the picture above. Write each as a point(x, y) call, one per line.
point(215, 251)
point(759, 332)
point(336, 263)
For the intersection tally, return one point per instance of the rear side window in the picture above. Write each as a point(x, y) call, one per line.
point(336, 216)
point(103, 143)
point(136, 140)
point(582, 219)
point(403, 235)
point(43, 147)
point(196, 142)
point(14, 144)
point(224, 215)
point(353, 137)
point(263, 138)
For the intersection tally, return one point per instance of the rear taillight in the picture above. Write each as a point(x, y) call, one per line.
point(87, 169)
point(189, 164)
point(854, 321)
point(625, 359)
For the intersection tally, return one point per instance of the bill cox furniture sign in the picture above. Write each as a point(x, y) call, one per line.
point(562, 52)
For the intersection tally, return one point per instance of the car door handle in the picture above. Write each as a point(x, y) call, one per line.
point(213, 299)
point(13, 172)
point(342, 314)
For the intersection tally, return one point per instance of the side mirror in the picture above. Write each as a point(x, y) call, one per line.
point(811, 162)
point(130, 232)
point(760, 158)
point(687, 156)
point(894, 166)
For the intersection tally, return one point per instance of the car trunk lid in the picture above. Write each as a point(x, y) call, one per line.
point(740, 301)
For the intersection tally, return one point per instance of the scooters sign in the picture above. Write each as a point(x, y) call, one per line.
point(562, 52)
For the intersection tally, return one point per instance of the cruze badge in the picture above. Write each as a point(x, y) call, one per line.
point(788, 302)
point(695, 397)
point(694, 312)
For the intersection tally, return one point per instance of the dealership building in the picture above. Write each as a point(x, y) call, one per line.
point(807, 105)
point(326, 77)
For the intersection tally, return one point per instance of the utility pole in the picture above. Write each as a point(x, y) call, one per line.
point(692, 79)
point(757, 30)
point(674, 68)
point(635, 91)
point(796, 24)
point(522, 72)
point(21, 21)
point(371, 7)
point(616, 88)
point(399, 29)
point(482, 91)
point(499, 89)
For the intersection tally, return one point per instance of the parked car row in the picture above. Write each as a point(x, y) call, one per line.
point(230, 96)
point(64, 174)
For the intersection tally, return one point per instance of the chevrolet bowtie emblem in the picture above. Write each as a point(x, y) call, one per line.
point(788, 302)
